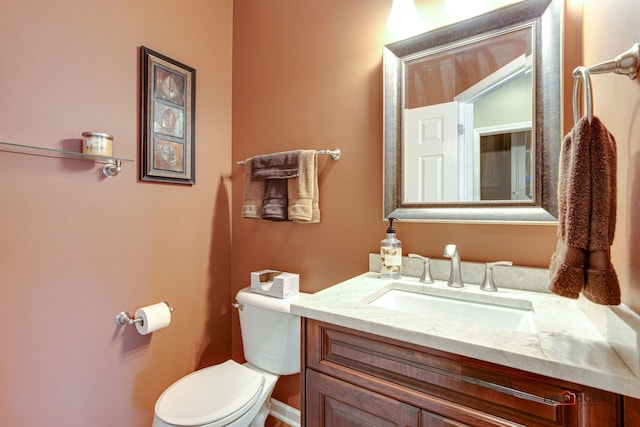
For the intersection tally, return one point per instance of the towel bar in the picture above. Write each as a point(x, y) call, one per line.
point(335, 154)
point(625, 63)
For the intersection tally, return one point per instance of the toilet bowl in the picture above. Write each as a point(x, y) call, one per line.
point(228, 394)
point(234, 394)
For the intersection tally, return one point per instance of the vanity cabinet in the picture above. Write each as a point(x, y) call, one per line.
point(353, 378)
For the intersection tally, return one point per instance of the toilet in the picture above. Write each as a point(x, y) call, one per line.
point(234, 394)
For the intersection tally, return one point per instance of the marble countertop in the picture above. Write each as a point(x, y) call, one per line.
point(593, 346)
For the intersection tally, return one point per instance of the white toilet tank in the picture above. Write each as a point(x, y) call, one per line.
point(270, 333)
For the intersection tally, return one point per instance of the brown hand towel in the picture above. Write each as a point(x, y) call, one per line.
point(253, 193)
point(274, 203)
point(282, 165)
point(303, 190)
point(602, 285)
point(586, 217)
point(274, 170)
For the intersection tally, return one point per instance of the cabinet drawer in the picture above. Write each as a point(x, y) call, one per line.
point(448, 384)
point(331, 402)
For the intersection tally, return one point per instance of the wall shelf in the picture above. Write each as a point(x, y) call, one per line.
point(112, 165)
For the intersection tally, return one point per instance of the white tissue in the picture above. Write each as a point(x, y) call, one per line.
point(154, 317)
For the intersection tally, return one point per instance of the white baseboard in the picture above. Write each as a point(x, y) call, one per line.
point(285, 413)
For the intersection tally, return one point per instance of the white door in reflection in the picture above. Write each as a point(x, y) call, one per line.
point(430, 160)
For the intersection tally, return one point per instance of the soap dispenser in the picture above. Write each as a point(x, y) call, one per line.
point(391, 254)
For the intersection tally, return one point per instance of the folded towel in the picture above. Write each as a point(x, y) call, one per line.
point(275, 169)
point(265, 185)
point(281, 165)
point(253, 193)
point(303, 190)
point(587, 215)
point(274, 203)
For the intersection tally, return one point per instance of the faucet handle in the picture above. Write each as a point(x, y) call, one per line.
point(426, 269)
point(488, 283)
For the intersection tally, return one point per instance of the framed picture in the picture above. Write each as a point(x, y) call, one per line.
point(168, 100)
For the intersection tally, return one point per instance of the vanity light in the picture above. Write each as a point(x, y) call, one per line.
point(404, 20)
point(458, 10)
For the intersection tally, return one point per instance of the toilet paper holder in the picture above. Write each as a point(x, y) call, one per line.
point(124, 318)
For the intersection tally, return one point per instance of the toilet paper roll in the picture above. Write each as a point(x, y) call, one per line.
point(154, 317)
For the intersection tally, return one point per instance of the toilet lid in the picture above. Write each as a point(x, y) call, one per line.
point(210, 394)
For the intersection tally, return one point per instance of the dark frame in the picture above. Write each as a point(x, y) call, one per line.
point(167, 119)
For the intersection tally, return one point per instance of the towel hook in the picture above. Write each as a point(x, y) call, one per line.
point(582, 73)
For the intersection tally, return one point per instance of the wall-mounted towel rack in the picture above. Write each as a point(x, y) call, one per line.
point(626, 63)
point(335, 154)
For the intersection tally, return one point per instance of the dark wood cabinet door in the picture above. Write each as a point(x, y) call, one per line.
point(334, 403)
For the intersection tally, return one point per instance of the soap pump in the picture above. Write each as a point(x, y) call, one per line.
point(391, 254)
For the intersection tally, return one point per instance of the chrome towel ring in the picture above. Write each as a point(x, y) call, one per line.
point(582, 73)
point(626, 63)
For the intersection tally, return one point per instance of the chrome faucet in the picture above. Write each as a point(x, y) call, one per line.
point(426, 269)
point(455, 278)
point(487, 283)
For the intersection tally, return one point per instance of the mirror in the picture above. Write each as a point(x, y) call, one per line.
point(472, 119)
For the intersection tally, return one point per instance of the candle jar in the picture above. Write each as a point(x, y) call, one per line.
point(97, 143)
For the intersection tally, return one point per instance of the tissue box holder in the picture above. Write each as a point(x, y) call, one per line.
point(275, 283)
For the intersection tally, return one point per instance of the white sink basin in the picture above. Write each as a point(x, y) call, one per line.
point(505, 314)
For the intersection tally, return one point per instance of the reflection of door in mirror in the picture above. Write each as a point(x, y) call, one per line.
point(504, 166)
point(481, 84)
point(431, 153)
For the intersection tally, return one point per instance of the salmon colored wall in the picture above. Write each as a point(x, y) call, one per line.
point(309, 75)
point(75, 248)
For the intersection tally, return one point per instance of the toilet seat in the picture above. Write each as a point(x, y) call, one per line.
point(215, 395)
